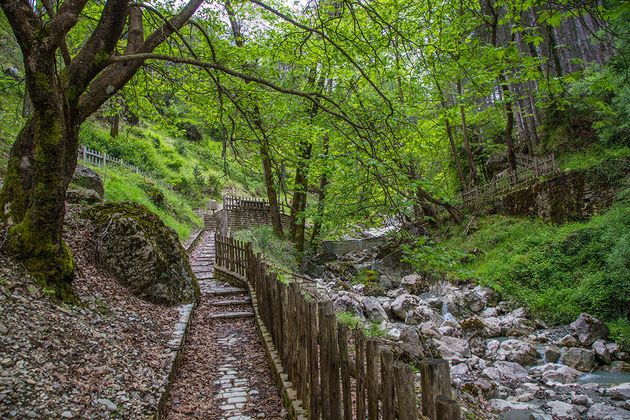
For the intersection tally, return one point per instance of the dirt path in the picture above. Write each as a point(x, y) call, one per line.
point(224, 372)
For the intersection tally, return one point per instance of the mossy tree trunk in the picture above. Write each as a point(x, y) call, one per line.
point(44, 155)
point(40, 166)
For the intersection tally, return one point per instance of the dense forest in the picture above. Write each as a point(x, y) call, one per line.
point(491, 138)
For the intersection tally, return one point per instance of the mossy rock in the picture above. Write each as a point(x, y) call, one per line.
point(86, 178)
point(370, 279)
point(142, 253)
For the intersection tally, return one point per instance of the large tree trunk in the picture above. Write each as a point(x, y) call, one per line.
point(272, 195)
point(40, 167)
point(469, 154)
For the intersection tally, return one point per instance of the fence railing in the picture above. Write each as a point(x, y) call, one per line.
point(96, 158)
point(244, 203)
point(529, 168)
point(336, 372)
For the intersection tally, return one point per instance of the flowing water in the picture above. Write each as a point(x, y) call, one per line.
point(604, 377)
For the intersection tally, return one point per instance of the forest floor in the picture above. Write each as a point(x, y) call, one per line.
point(107, 355)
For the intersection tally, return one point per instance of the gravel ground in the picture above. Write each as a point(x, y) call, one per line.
point(104, 357)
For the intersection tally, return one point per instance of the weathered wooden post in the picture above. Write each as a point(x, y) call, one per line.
point(371, 357)
point(405, 392)
point(387, 384)
point(447, 408)
point(436, 381)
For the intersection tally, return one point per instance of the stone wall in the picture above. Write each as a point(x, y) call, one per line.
point(232, 220)
point(568, 196)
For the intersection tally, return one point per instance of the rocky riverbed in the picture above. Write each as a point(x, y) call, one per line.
point(502, 359)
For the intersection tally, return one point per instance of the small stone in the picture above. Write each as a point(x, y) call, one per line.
point(3, 329)
point(110, 406)
point(6, 362)
point(235, 400)
point(67, 415)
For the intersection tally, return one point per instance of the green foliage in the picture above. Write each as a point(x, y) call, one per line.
point(370, 279)
point(348, 319)
point(620, 332)
point(557, 271)
point(175, 210)
point(279, 252)
point(352, 321)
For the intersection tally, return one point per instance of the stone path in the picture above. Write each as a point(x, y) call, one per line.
point(224, 372)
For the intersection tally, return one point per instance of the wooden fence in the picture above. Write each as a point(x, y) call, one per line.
point(337, 373)
point(529, 169)
point(244, 203)
point(103, 159)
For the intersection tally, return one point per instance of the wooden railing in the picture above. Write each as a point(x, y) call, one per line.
point(96, 158)
point(336, 372)
point(230, 254)
point(244, 203)
point(529, 168)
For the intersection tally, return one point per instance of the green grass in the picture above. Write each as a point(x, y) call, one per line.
point(556, 271)
point(592, 157)
point(279, 252)
point(176, 212)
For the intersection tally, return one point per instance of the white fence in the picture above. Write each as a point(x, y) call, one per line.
point(103, 159)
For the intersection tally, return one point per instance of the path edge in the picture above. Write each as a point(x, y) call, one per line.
point(177, 359)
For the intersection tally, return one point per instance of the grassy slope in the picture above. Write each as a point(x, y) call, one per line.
point(557, 271)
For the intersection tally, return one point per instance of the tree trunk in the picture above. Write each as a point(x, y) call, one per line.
point(458, 164)
point(40, 167)
point(272, 195)
point(509, 125)
point(321, 198)
point(469, 154)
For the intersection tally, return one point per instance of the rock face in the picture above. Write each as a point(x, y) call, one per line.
point(142, 253)
point(603, 411)
point(86, 178)
point(517, 351)
point(588, 329)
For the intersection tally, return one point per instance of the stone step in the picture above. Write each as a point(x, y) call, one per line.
point(226, 291)
point(231, 315)
point(245, 301)
point(204, 276)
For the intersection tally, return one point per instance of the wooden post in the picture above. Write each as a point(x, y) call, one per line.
point(405, 392)
point(359, 342)
point(345, 372)
point(372, 378)
point(325, 308)
point(436, 381)
point(313, 357)
point(333, 369)
point(447, 408)
point(387, 384)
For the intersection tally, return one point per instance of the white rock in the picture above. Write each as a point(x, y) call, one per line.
point(620, 392)
point(506, 371)
point(505, 405)
point(451, 347)
point(562, 411)
point(602, 411)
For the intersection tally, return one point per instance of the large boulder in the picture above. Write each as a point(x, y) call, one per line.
point(506, 371)
point(85, 177)
point(374, 310)
point(403, 304)
point(423, 313)
point(556, 372)
point(348, 302)
point(453, 348)
point(415, 283)
point(142, 253)
point(518, 351)
point(578, 358)
point(602, 411)
point(562, 411)
point(588, 329)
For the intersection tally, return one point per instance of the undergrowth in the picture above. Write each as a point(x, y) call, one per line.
point(279, 252)
point(175, 210)
point(557, 271)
